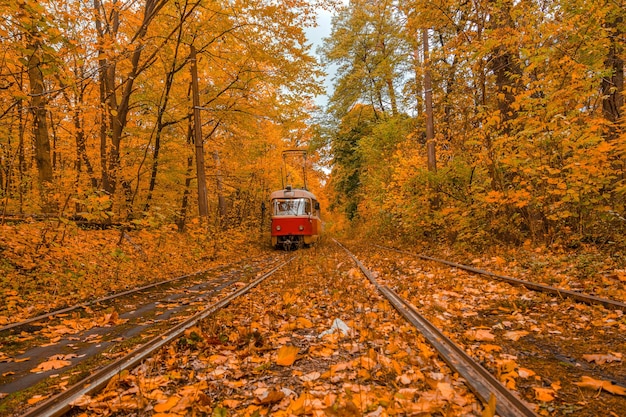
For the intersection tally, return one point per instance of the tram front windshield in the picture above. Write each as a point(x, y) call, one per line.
point(291, 206)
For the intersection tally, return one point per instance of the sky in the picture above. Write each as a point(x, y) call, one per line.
point(316, 36)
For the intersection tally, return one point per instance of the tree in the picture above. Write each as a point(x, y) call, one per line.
point(367, 46)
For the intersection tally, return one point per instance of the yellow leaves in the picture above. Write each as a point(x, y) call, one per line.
point(287, 355)
point(598, 384)
point(299, 323)
point(506, 372)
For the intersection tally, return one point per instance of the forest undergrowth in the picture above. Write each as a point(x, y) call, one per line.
point(47, 265)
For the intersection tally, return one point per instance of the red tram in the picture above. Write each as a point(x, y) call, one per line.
point(295, 215)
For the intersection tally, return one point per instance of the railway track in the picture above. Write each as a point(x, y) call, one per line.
point(150, 312)
point(508, 324)
point(578, 296)
point(483, 383)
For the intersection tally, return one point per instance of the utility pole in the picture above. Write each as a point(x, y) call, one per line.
point(203, 209)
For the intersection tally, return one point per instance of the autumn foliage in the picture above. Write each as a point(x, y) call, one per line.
point(528, 120)
point(96, 106)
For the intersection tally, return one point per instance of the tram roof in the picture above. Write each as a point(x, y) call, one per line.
point(292, 193)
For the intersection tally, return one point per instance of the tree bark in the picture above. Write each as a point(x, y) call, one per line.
point(613, 85)
point(40, 124)
point(202, 193)
point(428, 102)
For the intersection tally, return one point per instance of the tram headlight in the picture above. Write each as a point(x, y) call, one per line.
point(278, 227)
point(301, 227)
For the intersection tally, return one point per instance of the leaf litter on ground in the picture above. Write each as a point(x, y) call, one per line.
point(263, 355)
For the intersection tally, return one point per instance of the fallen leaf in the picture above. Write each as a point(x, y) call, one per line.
point(490, 348)
point(446, 390)
point(304, 323)
point(287, 355)
point(490, 407)
point(601, 359)
point(49, 365)
point(515, 335)
point(36, 398)
point(311, 376)
point(544, 394)
point(480, 335)
point(588, 382)
point(231, 403)
point(270, 396)
point(167, 405)
point(525, 373)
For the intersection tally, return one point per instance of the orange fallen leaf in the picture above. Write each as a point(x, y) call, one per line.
point(544, 394)
point(270, 396)
point(304, 323)
point(167, 405)
point(515, 335)
point(287, 355)
point(480, 335)
point(231, 403)
point(50, 365)
point(36, 398)
point(490, 348)
point(525, 373)
point(301, 405)
point(601, 359)
point(446, 390)
point(599, 384)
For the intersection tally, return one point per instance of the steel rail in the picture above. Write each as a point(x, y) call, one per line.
point(563, 293)
point(103, 299)
point(60, 404)
point(479, 379)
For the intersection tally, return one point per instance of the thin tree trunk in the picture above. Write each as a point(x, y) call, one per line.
point(428, 100)
point(40, 125)
point(613, 85)
point(202, 193)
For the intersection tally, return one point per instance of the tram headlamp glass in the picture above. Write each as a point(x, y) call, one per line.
point(278, 227)
point(301, 227)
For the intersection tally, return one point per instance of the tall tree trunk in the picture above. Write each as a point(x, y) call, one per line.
point(40, 125)
point(428, 102)
point(613, 85)
point(202, 192)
